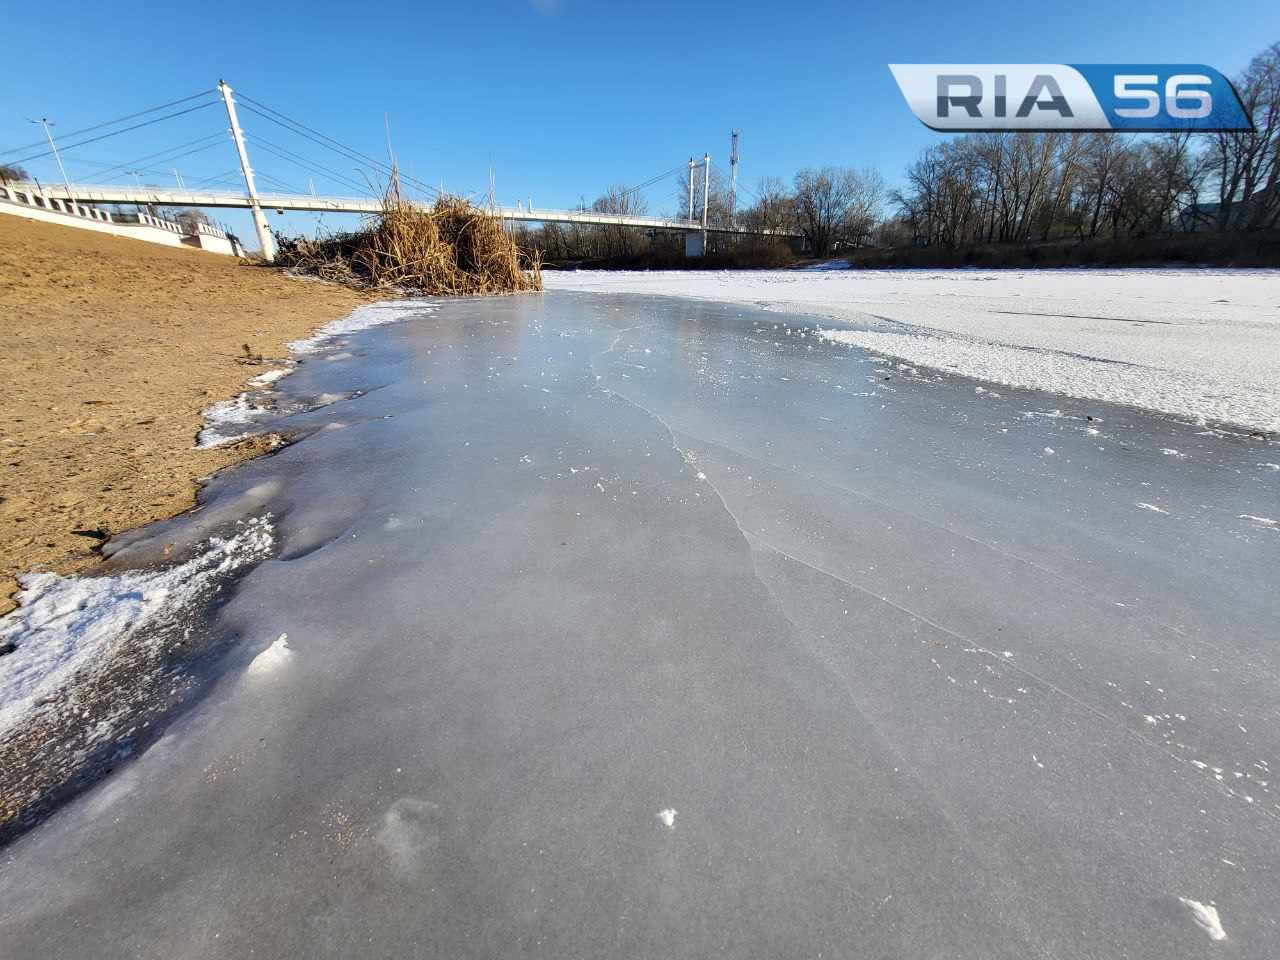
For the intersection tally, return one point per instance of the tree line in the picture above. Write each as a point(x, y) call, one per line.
point(992, 188)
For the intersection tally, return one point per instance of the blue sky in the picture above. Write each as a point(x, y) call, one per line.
point(562, 97)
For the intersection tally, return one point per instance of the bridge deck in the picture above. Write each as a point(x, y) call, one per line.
point(312, 204)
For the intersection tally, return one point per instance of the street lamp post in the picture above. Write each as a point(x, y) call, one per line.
point(45, 122)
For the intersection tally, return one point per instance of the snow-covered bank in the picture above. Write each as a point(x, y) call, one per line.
point(1200, 344)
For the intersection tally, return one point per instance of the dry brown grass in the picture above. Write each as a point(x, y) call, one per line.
point(451, 248)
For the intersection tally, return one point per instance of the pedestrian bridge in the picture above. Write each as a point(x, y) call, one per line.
point(696, 225)
point(152, 196)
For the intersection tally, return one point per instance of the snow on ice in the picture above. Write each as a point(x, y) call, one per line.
point(1206, 918)
point(1158, 339)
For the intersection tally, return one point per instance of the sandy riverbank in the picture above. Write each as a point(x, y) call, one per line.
point(112, 347)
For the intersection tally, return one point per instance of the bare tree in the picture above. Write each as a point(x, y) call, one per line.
point(836, 205)
point(191, 219)
point(1244, 163)
point(774, 208)
point(619, 240)
point(941, 200)
point(10, 172)
point(1020, 187)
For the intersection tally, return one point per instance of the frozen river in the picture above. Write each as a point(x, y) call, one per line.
point(621, 625)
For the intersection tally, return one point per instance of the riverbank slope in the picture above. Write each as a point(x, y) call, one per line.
point(111, 350)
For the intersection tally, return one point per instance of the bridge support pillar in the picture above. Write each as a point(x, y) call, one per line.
point(695, 243)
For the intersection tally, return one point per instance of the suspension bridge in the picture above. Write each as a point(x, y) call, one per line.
point(206, 193)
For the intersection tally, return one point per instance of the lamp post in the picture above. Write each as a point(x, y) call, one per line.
point(45, 122)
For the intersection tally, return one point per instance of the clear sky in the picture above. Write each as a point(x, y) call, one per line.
point(561, 97)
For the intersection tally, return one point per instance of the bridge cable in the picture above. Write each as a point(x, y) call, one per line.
point(312, 165)
point(359, 158)
point(218, 177)
point(215, 182)
point(145, 123)
point(280, 183)
point(109, 123)
point(331, 144)
point(651, 182)
point(214, 138)
point(739, 185)
point(288, 155)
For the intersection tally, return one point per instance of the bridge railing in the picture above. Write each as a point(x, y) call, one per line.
point(41, 196)
point(32, 196)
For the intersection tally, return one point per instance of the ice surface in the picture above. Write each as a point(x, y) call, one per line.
point(1196, 343)
point(572, 559)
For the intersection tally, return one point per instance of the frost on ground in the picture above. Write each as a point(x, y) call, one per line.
point(65, 627)
point(1199, 344)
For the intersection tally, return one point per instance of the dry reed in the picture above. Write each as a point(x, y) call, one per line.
point(451, 248)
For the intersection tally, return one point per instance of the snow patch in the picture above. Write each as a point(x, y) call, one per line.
point(65, 626)
point(1261, 521)
point(362, 318)
point(243, 409)
point(269, 377)
point(1206, 918)
point(273, 658)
